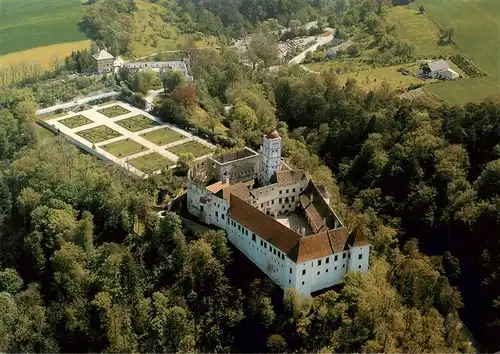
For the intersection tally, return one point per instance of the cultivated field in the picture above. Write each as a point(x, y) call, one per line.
point(43, 56)
point(30, 24)
point(150, 163)
point(193, 147)
point(163, 136)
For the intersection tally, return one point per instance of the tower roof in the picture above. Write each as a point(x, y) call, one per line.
point(103, 54)
point(273, 135)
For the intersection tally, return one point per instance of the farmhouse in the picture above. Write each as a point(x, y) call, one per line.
point(104, 61)
point(440, 69)
point(280, 220)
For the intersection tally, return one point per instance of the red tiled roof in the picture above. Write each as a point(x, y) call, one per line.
point(315, 220)
point(239, 189)
point(285, 178)
point(263, 225)
point(322, 244)
point(217, 186)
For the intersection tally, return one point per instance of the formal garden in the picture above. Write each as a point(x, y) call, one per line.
point(137, 123)
point(75, 121)
point(113, 111)
point(163, 136)
point(150, 163)
point(98, 134)
point(193, 147)
point(123, 148)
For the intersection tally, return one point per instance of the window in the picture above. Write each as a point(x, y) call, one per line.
point(254, 238)
point(301, 189)
point(216, 214)
point(302, 282)
point(343, 255)
point(222, 216)
point(327, 270)
point(303, 272)
point(239, 229)
point(360, 256)
point(281, 192)
point(265, 246)
point(359, 267)
point(282, 256)
point(290, 270)
point(261, 243)
point(293, 190)
point(312, 264)
point(327, 260)
point(336, 257)
point(274, 251)
point(287, 191)
point(335, 267)
point(343, 265)
point(279, 200)
point(201, 208)
point(289, 281)
point(319, 262)
point(272, 202)
point(318, 273)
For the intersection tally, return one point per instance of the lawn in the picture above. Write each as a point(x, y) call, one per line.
point(75, 121)
point(150, 163)
point(113, 111)
point(43, 133)
point(123, 148)
point(136, 123)
point(30, 24)
point(193, 147)
point(98, 134)
point(418, 30)
point(163, 136)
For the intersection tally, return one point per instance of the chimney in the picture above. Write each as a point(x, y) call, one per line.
point(312, 197)
point(303, 231)
point(324, 221)
point(275, 215)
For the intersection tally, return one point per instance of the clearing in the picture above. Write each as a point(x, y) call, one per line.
point(113, 111)
point(33, 23)
point(193, 147)
point(137, 123)
point(75, 121)
point(123, 148)
point(150, 163)
point(98, 134)
point(152, 34)
point(163, 136)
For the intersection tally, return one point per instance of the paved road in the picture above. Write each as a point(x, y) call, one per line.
point(321, 41)
point(80, 101)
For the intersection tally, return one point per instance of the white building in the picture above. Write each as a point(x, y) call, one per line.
point(104, 62)
point(286, 226)
point(440, 69)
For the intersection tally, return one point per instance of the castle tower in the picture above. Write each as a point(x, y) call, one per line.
point(271, 155)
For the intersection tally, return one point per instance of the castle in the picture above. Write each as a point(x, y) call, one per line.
point(277, 217)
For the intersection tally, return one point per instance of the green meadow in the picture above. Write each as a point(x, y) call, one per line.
point(30, 24)
point(476, 25)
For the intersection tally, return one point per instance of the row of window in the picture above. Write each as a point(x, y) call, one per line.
point(280, 201)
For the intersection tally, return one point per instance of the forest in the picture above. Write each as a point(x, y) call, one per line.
point(421, 179)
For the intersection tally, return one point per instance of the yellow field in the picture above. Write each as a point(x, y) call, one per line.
point(43, 56)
